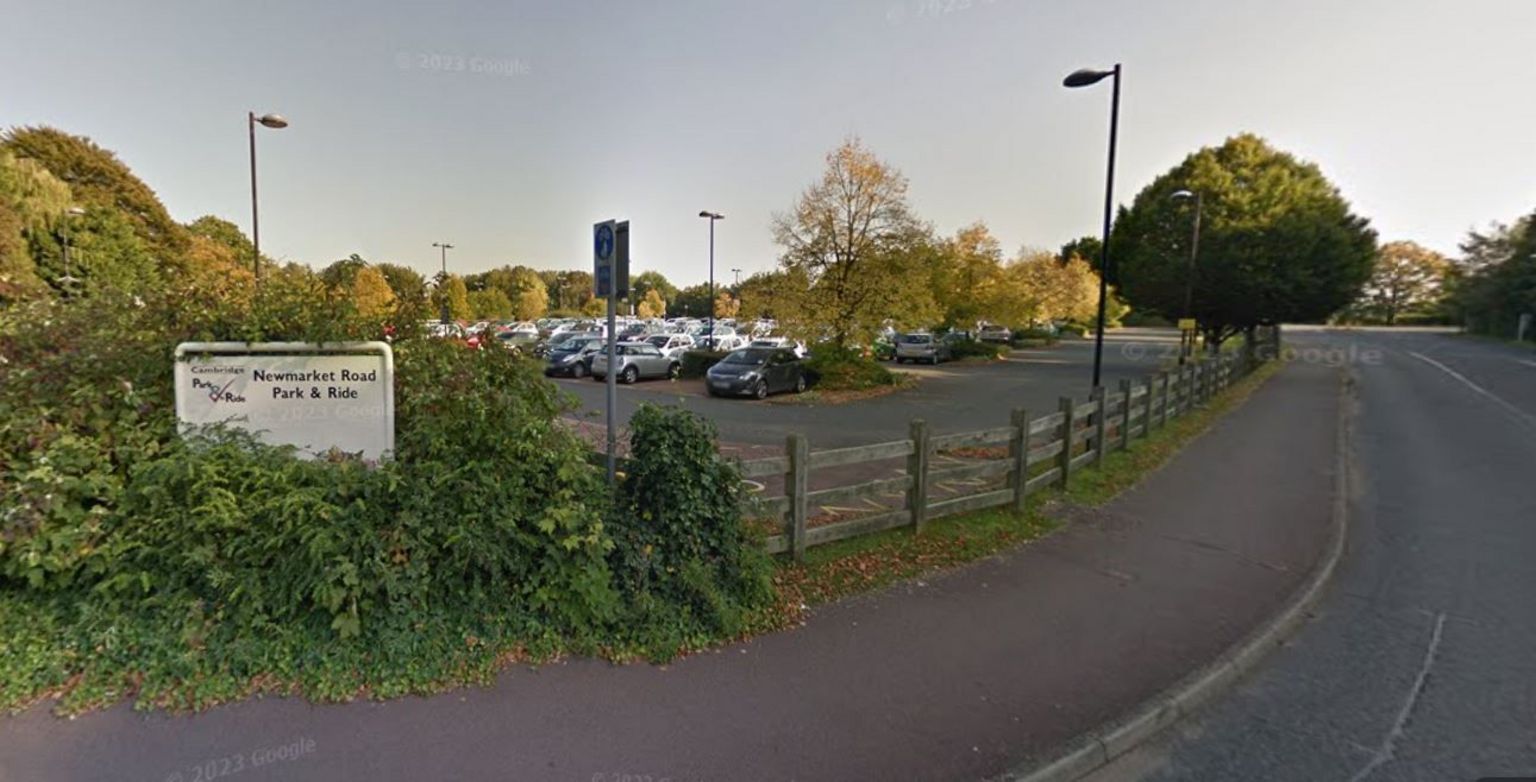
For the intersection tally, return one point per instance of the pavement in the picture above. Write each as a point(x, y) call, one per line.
point(1420, 663)
point(959, 676)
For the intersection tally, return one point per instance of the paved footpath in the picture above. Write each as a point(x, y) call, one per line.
point(960, 676)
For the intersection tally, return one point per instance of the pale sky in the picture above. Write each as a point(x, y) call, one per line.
point(567, 112)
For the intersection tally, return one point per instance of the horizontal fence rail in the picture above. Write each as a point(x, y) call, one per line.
point(1042, 451)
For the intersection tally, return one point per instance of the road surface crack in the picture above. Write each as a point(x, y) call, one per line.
point(1388, 748)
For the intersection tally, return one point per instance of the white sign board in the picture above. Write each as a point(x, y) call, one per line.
point(310, 396)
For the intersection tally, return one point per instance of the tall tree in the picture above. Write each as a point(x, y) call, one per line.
point(1278, 242)
point(852, 235)
point(450, 290)
point(371, 293)
point(490, 304)
point(341, 273)
point(651, 304)
point(1406, 278)
point(99, 180)
point(32, 201)
point(692, 301)
point(1497, 283)
point(647, 281)
point(1089, 248)
point(407, 284)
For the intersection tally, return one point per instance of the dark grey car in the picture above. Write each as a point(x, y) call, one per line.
point(756, 372)
point(573, 357)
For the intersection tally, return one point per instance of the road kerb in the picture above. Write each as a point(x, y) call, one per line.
point(1096, 750)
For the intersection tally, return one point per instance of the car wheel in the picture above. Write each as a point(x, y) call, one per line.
point(800, 384)
point(761, 390)
point(579, 370)
point(674, 371)
point(900, 360)
point(629, 375)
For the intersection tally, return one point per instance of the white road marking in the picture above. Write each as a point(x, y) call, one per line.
point(1528, 363)
point(1389, 744)
point(1525, 417)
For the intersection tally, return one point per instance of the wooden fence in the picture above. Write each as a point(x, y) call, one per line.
point(1041, 452)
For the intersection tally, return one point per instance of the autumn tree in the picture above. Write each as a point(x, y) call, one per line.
point(690, 301)
point(490, 304)
point(407, 284)
point(651, 304)
point(371, 293)
point(100, 181)
point(726, 305)
point(451, 296)
point(1407, 278)
point(854, 239)
point(969, 281)
point(647, 281)
point(1278, 242)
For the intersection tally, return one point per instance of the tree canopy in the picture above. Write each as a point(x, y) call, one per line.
point(1278, 242)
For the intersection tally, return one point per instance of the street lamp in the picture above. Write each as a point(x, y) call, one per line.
point(443, 279)
point(1187, 341)
point(276, 122)
point(1083, 78)
point(68, 279)
point(737, 272)
point(711, 217)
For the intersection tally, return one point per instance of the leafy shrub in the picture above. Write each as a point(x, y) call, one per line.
point(697, 362)
point(845, 369)
point(1033, 334)
point(682, 553)
point(970, 347)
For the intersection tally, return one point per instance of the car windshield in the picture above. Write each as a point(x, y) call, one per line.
point(751, 357)
point(573, 345)
point(660, 341)
point(915, 339)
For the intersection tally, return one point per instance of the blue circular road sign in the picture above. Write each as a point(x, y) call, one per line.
point(603, 242)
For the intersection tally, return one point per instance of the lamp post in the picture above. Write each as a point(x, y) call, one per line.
point(737, 272)
point(1083, 78)
point(711, 217)
point(68, 279)
point(276, 122)
point(1187, 341)
point(442, 280)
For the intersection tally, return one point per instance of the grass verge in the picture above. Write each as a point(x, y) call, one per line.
point(867, 563)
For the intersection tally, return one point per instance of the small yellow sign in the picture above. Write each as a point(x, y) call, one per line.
point(1186, 324)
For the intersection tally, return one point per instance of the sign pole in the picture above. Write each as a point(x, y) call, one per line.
point(611, 381)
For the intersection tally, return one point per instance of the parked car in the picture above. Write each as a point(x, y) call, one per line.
point(573, 357)
point(518, 341)
point(995, 333)
point(635, 360)
point(756, 372)
point(779, 342)
point(922, 347)
point(672, 346)
point(720, 337)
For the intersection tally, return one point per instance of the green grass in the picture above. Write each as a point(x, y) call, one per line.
point(866, 563)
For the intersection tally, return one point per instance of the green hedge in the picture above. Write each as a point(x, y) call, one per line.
point(975, 348)
point(198, 569)
point(845, 369)
point(697, 362)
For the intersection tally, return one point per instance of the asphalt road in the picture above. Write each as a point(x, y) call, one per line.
point(952, 397)
point(1421, 661)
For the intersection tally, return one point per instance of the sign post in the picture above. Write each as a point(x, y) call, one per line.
point(610, 257)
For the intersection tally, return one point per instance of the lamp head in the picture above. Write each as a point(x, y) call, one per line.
point(1084, 77)
point(273, 120)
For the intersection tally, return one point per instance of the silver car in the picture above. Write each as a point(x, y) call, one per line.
point(922, 347)
point(636, 360)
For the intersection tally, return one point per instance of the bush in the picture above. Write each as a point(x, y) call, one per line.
point(681, 548)
point(198, 568)
point(845, 369)
point(1033, 334)
point(697, 362)
point(973, 348)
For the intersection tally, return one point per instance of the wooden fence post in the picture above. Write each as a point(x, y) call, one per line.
point(1125, 414)
point(1019, 451)
point(1162, 414)
point(796, 486)
point(1068, 428)
point(1100, 425)
point(917, 470)
point(1146, 417)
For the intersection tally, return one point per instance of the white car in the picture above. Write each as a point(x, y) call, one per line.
point(779, 342)
point(672, 346)
point(721, 338)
